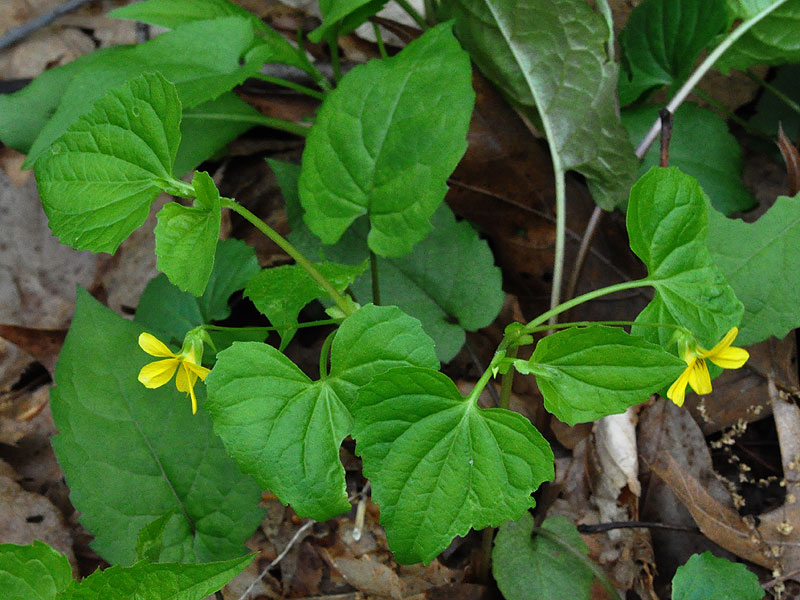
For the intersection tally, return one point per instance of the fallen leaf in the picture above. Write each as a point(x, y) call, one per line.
point(43, 344)
point(792, 159)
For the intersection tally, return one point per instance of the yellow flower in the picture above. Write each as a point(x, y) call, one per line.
point(187, 363)
point(696, 373)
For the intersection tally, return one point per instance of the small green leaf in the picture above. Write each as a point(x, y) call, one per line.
point(707, 577)
point(132, 454)
point(585, 373)
point(340, 17)
point(532, 567)
point(753, 258)
point(186, 238)
point(772, 41)
point(280, 293)
point(439, 465)
point(99, 179)
point(157, 581)
point(365, 156)
point(662, 40)
point(150, 541)
point(716, 163)
point(286, 429)
point(668, 228)
point(36, 572)
point(549, 57)
point(449, 281)
point(165, 309)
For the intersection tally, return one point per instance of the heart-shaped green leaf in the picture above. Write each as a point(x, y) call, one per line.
point(439, 465)
point(284, 428)
point(708, 577)
point(36, 572)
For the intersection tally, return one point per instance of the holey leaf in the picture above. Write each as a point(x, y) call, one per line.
point(549, 57)
point(284, 428)
point(98, 180)
point(186, 238)
point(439, 465)
point(386, 140)
point(667, 227)
point(590, 372)
point(36, 572)
point(132, 455)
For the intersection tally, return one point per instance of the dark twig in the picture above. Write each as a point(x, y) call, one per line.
point(603, 527)
point(14, 35)
point(666, 135)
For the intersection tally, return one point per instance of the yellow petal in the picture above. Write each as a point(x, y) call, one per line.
point(156, 374)
point(723, 344)
point(699, 378)
point(730, 358)
point(677, 391)
point(194, 401)
point(185, 379)
point(198, 370)
point(154, 347)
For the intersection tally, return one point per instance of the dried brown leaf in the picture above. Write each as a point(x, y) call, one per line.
point(791, 157)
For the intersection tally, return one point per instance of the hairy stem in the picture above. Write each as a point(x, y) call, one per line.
point(379, 39)
point(412, 12)
point(333, 44)
point(774, 91)
point(290, 85)
point(280, 124)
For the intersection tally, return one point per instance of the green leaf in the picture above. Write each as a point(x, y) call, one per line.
point(131, 454)
point(533, 567)
point(668, 228)
point(207, 128)
point(439, 465)
point(186, 238)
point(35, 572)
point(707, 577)
point(165, 309)
point(280, 293)
point(157, 581)
point(585, 373)
point(98, 180)
point(753, 258)
point(203, 59)
point(662, 40)
point(365, 155)
point(284, 428)
point(716, 163)
point(549, 57)
point(150, 541)
point(340, 17)
point(449, 281)
point(772, 112)
point(772, 41)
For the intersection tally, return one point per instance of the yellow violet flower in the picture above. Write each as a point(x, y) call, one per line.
point(696, 373)
point(187, 363)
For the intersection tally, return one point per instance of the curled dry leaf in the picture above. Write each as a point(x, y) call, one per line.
point(791, 157)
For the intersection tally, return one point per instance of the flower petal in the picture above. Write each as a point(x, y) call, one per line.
point(156, 374)
point(730, 358)
point(154, 347)
point(185, 379)
point(677, 391)
point(198, 370)
point(699, 378)
point(194, 400)
point(724, 343)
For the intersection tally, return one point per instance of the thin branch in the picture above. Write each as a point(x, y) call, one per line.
point(603, 527)
point(12, 36)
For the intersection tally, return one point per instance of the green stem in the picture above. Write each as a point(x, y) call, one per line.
point(376, 288)
point(609, 323)
point(412, 12)
point(379, 40)
point(486, 554)
point(323, 355)
point(333, 44)
point(287, 126)
point(588, 562)
point(507, 381)
point(774, 91)
point(290, 85)
point(319, 323)
point(698, 74)
point(430, 11)
point(309, 67)
point(480, 385)
point(284, 245)
point(561, 231)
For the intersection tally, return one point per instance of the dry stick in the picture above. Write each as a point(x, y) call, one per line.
point(603, 527)
point(666, 135)
point(14, 35)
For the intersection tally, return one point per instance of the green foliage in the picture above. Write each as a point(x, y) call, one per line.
point(98, 180)
point(707, 577)
point(150, 541)
point(280, 293)
point(439, 465)
point(365, 156)
point(449, 281)
point(170, 312)
point(668, 228)
point(131, 455)
point(186, 238)
point(752, 256)
point(716, 163)
point(533, 567)
point(560, 75)
point(340, 17)
point(590, 372)
point(36, 572)
point(661, 41)
point(772, 41)
point(286, 429)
